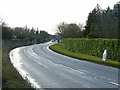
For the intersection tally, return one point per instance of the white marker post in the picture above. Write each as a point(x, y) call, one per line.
point(104, 58)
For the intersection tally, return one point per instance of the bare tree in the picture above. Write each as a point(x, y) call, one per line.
point(71, 30)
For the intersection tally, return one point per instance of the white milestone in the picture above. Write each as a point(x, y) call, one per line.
point(104, 58)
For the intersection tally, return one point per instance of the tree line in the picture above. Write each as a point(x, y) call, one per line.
point(101, 23)
point(18, 33)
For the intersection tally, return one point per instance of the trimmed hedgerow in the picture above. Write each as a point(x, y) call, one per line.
point(94, 47)
point(58, 48)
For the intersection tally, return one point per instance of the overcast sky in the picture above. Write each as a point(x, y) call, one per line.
point(47, 14)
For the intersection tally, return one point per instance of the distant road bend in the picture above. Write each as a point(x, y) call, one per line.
point(47, 69)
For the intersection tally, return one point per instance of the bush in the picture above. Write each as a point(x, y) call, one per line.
point(94, 47)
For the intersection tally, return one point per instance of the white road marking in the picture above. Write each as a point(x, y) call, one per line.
point(16, 61)
point(115, 83)
point(58, 53)
point(36, 56)
point(41, 64)
point(58, 65)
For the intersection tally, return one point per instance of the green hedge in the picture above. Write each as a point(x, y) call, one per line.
point(94, 47)
point(58, 48)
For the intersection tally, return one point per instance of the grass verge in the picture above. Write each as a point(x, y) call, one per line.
point(10, 77)
point(58, 48)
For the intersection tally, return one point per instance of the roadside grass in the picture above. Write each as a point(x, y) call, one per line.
point(58, 48)
point(10, 77)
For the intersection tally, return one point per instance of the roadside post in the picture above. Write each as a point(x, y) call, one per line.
point(104, 57)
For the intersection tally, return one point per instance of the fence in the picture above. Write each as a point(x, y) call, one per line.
point(15, 43)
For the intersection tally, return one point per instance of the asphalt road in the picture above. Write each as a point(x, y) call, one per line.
point(52, 70)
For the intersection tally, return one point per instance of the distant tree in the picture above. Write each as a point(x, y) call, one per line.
point(62, 29)
point(37, 32)
point(9, 33)
point(5, 30)
point(6, 33)
point(44, 34)
point(71, 30)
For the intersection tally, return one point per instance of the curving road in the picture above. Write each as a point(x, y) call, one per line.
point(47, 69)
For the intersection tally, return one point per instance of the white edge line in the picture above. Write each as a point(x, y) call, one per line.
point(15, 60)
point(115, 83)
point(59, 53)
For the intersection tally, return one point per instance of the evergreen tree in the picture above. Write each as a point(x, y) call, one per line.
point(102, 23)
point(92, 22)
